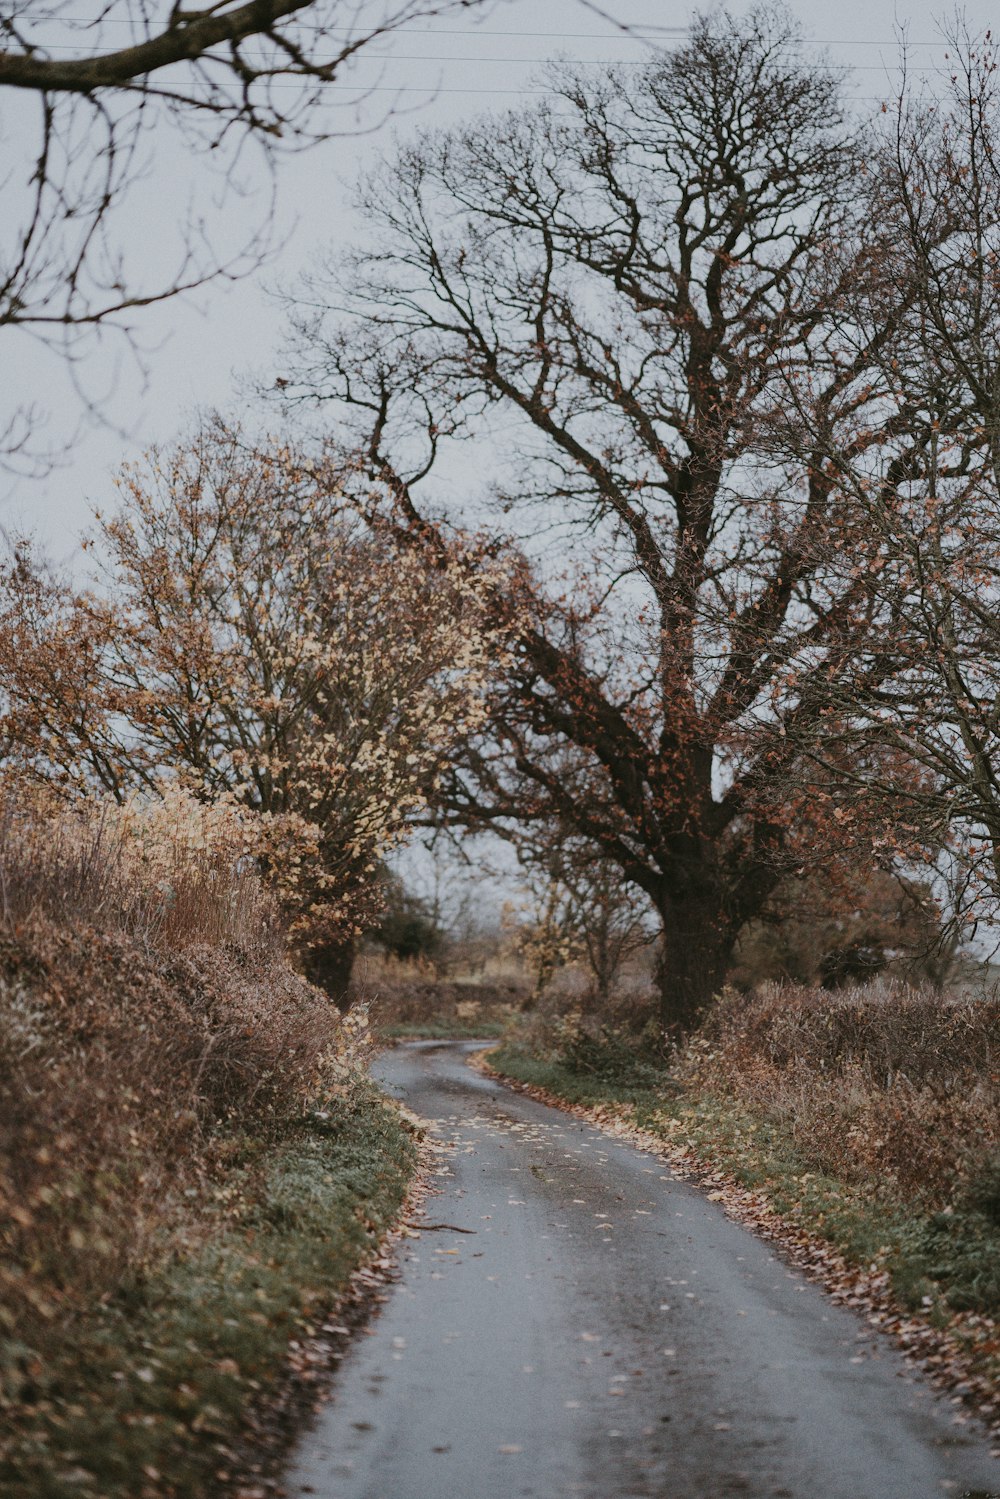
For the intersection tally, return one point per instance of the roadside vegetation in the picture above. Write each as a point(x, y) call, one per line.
point(205, 758)
point(191, 1160)
point(868, 1118)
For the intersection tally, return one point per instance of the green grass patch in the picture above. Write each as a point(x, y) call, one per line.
point(641, 1087)
point(443, 1030)
point(150, 1393)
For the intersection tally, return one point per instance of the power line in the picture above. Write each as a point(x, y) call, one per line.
point(355, 34)
point(429, 91)
point(665, 32)
point(584, 62)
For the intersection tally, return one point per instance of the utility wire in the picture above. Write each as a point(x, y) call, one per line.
point(430, 92)
point(353, 34)
point(585, 62)
point(666, 32)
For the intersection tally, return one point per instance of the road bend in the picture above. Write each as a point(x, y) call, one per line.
point(601, 1329)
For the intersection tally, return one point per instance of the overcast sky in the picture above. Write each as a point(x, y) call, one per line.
point(197, 349)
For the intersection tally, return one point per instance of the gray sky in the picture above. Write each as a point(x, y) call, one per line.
point(198, 348)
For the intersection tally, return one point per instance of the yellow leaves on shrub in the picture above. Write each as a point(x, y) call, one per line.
point(260, 644)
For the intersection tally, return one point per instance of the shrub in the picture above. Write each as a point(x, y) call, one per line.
point(148, 1025)
point(883, 1081)
point(983, 1187)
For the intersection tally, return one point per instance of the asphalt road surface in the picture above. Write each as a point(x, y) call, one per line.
point(605, 1331)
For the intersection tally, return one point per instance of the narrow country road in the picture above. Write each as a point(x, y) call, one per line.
point(605, 1331)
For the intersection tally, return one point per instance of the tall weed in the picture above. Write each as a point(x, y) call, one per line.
point(881, 1081)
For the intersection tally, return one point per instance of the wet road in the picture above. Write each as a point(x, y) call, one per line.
point(607, 1332)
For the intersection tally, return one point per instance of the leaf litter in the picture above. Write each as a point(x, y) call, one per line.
point(937, 1352)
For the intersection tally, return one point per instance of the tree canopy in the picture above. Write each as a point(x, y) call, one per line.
point(254, 643)
point(623, 281)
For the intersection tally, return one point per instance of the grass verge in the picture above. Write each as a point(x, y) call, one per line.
point(443, 1031)
point(918, 1265)
point(153, 1389)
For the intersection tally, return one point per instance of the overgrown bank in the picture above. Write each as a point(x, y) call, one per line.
point(191, 1162)
point(868, 1122)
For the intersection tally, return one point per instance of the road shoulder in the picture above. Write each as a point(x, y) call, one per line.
point(959, 1358)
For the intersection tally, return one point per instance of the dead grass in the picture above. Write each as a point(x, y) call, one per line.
point(883, 1083)
point(168, 874)
point(149, 1026)
point(409, 998)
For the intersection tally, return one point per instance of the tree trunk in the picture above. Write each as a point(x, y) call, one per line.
point(329, 966)
point(698, 944)
point(601, 962)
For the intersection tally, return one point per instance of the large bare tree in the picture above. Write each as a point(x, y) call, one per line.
point(606, 293)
